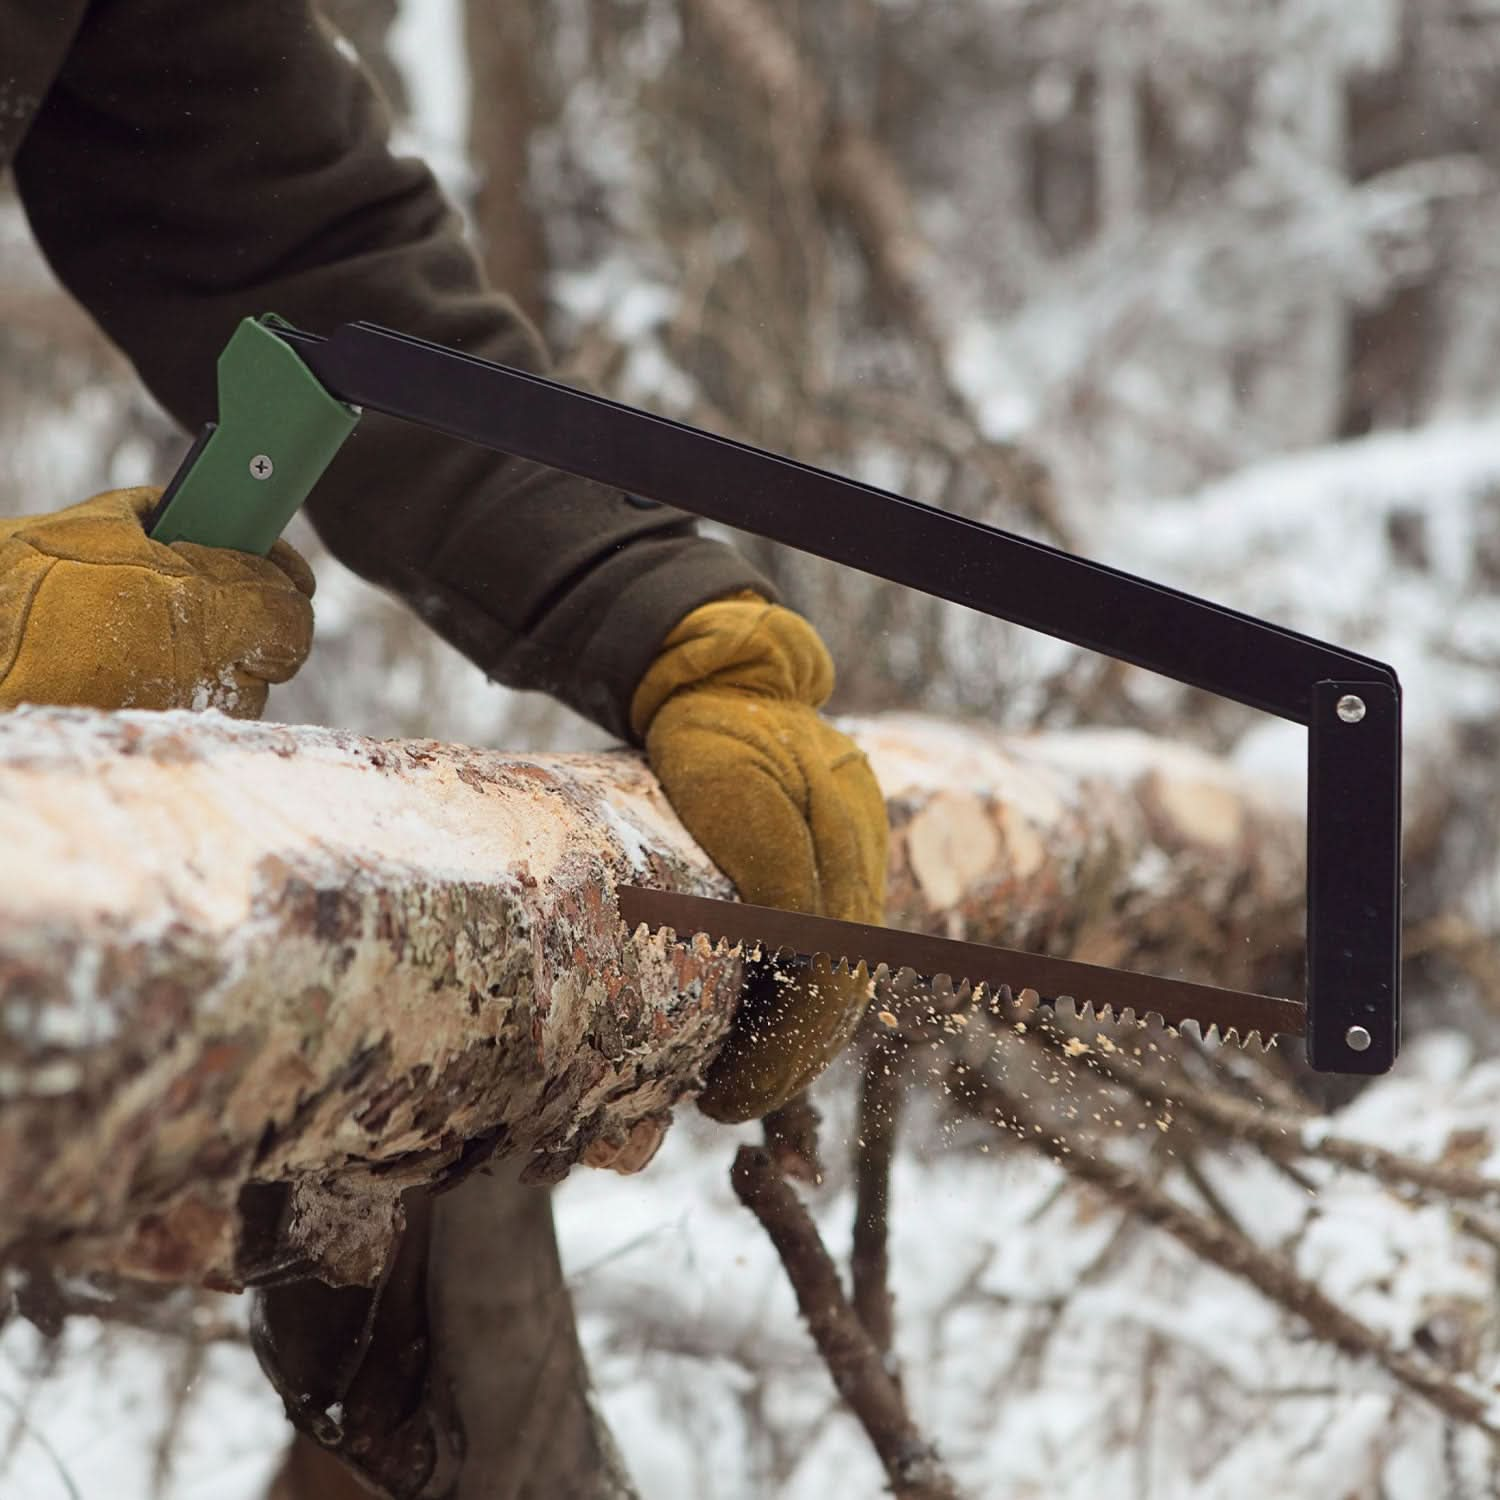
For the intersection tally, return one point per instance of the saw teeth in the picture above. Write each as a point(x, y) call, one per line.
point(719, 947)
point(777, 959)
point(1069, 1008)
point(968, 994)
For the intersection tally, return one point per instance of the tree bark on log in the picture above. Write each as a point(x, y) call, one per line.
point(256, 981)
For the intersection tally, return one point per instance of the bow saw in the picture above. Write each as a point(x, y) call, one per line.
point(288, 399)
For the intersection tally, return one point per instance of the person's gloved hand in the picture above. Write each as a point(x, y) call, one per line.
point(94, 613)
point(785, 805)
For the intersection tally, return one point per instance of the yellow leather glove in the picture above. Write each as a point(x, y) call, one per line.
point(785, 805)
point(92, 612)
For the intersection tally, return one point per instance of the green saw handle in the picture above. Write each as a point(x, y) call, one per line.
point(248, 474)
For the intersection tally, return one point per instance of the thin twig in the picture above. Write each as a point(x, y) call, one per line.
point(40, 1438)
point(186, 1368)
point(911, 1463)
point(880, 1097)
point(169, 1317)
point(1480, 1228)
point(791, 1135)
point(863, 179)
point(1282, 1134)
point(1192, 1169)
point(1262, 1075)
point(1231, 1252)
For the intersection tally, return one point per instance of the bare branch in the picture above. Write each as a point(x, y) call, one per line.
point(881, 1090)
point(910, 1461)
point(1223, 1247)
point(791, 1134)
point(500, 44)
point(1284, 1135)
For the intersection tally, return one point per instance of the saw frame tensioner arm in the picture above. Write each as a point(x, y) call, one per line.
point(288, 399)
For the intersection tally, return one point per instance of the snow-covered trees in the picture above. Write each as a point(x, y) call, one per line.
point(1154, 277)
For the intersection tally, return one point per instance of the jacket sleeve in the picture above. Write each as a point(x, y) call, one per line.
point(196, 163)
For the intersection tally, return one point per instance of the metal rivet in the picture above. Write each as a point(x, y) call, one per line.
point(1351, 709)
point(261, 467)
point(1358, 1039)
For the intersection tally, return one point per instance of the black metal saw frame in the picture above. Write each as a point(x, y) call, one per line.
point(1350, 704)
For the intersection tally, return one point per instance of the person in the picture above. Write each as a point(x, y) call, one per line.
point(183, 166)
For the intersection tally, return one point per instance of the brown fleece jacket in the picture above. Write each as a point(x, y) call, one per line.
point(188, 163)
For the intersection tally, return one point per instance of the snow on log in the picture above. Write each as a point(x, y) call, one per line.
point(258, 980)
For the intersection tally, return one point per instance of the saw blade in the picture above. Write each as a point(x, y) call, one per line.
point(1120, 994)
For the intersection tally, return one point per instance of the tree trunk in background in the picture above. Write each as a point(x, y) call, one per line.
point(1387, 379)
point(503, 109)
point(1300, 102)
point(1393, 343)
point(1063, 161)
point(367, 24)
point(1118, 138)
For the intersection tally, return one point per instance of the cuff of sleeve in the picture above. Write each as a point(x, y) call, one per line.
point(628, 637)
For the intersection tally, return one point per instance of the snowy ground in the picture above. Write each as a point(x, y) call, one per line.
point(1047, 1353)
point(1389, 545)
point(84, 1421)
point(1047, 1357)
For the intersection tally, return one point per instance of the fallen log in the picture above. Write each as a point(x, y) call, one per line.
point(258, 980)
